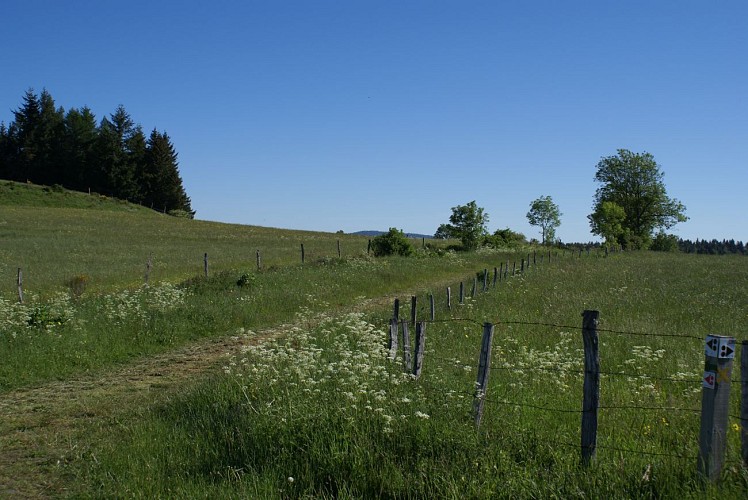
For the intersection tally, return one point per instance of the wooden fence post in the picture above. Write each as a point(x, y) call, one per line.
point(431, 304)
point(462, 292)
point(744, 402)
point(485, 279)
point(413, 306)
point(522, 266)
point(591, 399)
point(302, 253)
point(396, 310)
point(475, 287)
point(259, 261)
point(392, 347)
point(19, 282)
point(506, 270)
point(501, 270)
point(368, 248)
point(449, 298)
point(205, 264)
point(420, 348)
point(514, 268)
point(338, 249)
point(534, 255)
point(407, 364)
point(495, 276)
point(484, 368)
point(148, 269)
point(719, 353)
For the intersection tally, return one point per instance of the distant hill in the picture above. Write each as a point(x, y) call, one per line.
point(377, 233)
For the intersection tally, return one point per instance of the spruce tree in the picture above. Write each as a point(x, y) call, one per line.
point(23, 138)
point(80, 161)
point(164, 190)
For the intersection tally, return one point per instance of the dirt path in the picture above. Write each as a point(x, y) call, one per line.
point(42, 429)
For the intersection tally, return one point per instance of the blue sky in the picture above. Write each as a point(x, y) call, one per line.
point(353, 115)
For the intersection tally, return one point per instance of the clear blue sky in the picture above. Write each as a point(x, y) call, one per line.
point(357, 115)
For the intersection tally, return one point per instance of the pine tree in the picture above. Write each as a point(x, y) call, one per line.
point(117, 166)
point(23, 138)
point(163, 185)
point(49, 141)
point(79, 150)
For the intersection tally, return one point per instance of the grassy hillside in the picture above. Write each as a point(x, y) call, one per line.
point(31, 195)
point(55, 236)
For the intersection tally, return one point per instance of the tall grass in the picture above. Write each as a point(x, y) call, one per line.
point(322, 412)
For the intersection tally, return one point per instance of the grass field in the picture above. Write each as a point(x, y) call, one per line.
point(276, 384)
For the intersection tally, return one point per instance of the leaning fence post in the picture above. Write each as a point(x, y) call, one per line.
point(744, 402)
point(205, 264)
point(719, 353)
point(407, 365)
point(591, 399)
point(392, 347)
point(413, 308)
point(19, 282)
point(484, 368)
point(420, 348)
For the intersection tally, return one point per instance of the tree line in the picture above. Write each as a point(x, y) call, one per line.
point(45, 144)
point(713, 247)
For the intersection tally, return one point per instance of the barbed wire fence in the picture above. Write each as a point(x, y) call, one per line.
point(714, 417)
point(714, 385)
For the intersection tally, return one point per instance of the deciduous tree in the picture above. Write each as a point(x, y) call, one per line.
point(544, 213)
point(633, 182)
point(467, 224)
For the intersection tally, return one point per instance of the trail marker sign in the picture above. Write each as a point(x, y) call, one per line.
point(711, 346)
point(726, 348)
point(708, 380)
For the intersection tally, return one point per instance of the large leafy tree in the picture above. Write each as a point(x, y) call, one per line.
point(544, 213)
point(467, 224)
point(634, 183)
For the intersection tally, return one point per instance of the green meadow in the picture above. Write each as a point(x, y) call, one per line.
point(304, 401)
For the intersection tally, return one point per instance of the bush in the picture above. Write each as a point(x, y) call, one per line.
point(665, 243)
point(505, 238)
point(392, 242)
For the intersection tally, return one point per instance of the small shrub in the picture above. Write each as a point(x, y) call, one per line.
point(245, 280)
point(665, 243)
point(182, 214)
point(77, 285)
point(392, 242)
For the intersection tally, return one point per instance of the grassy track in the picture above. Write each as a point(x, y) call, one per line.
point(321, 405)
